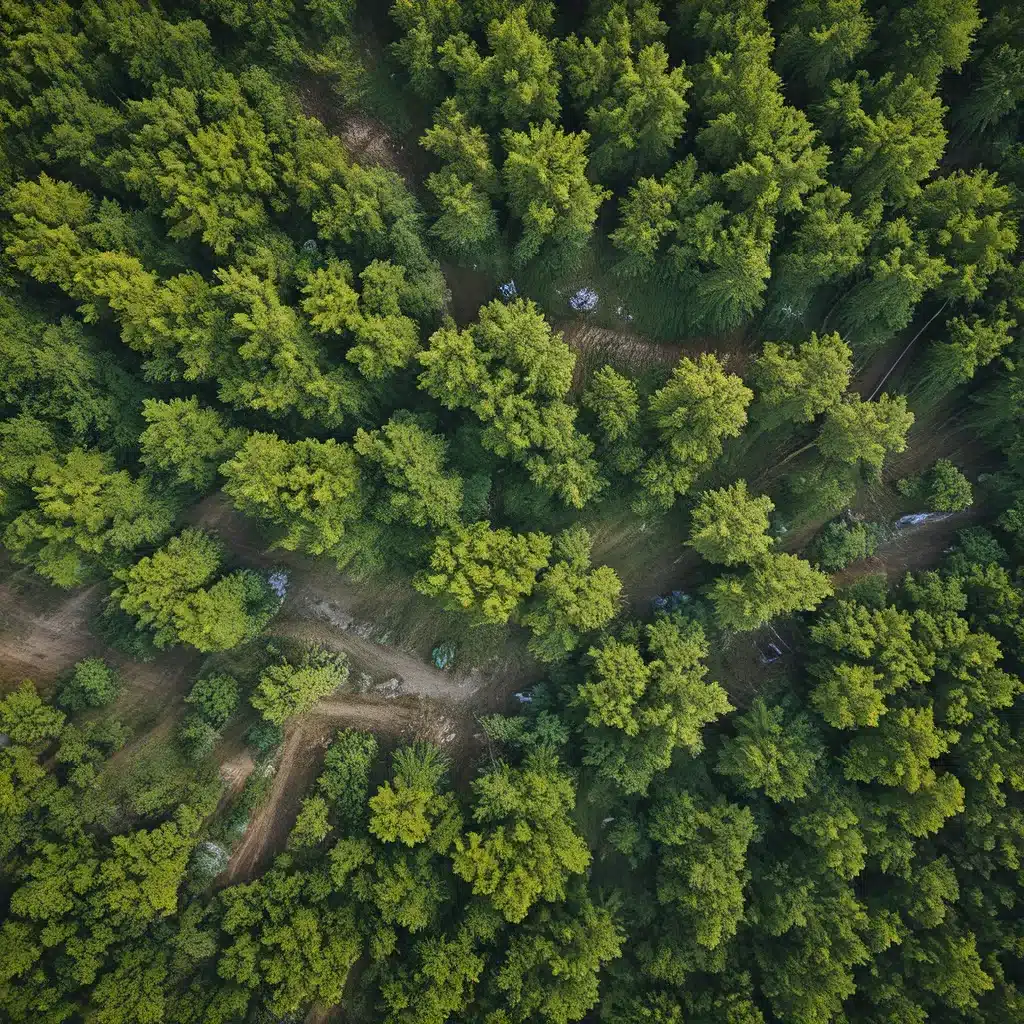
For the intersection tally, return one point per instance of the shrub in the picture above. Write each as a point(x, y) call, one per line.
point(943, 488)
point(93, 684)
point(842, 543)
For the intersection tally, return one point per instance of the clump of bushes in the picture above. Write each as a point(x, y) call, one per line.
point(943, 488)
point(214, 699)
point(843, 542)
point(92, 684)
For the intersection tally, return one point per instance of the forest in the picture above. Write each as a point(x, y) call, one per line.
point(647, 375)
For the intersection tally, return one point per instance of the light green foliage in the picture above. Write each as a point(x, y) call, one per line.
point(973, 342)
point(86, 514)
point(641, 709)
point(773, 752)
point(614, 400)
point(827, 244)
point(797, 383)
point(26, 719)
point(572, 598)
point(900, 751)
point(175, 594)
point(730, 526)
point(943, 488)
point(483, 571)
point(929, 37)
point(286, 939)
point(466, 185)
point(550, 972)
point(888, 134)
point(383, 339)
point(777, 584)
point(702, 870)
point(415, 487)
point(965, 218)
point(289, 688)
point(718, 245)
point(516, 83)
point(311, 826)
point(311, 490)
point(513, 373)
point(545, 176)
point(526, 849)
point(858, 431)
point(901, 271)
point(822, 38)
point(186, 440)
point(634, 102)
point(699, 406)
point(92, 684)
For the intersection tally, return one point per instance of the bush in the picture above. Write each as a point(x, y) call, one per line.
point(842, 543)
point(264, 737)
point(197, 736)
point(215, 698)
point(943, 488)
point(93, 684)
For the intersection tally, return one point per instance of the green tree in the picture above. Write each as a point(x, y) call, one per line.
point(93, 684)
point(614, 400)
point(310, 489)
point(186, 440)
point(901, 272)
point(943, 488)
point(526, 849)
point(699, 406)
point(889, 133)
point(858, 431)
point(900, 751)
point(931, 36)
point(413, 483)
point(410, 809)
point(640, 709)
point(731, 526)
point(572, 598)
point(772, 751)
point(545, 176)
point(965, 218)
point(483, 571)
point(311, 826)
point(289, 688)
point(173, 593)
point(822, 38)
point(972, 342)
point(86, 515)
point(842, 543)
point(26, 719)
point(797, 383)
point(777, 584)
point(702, 869)
point(345, 779)
point(550, 970)
point(516, 83)
point(215, 698)
point(286, 939)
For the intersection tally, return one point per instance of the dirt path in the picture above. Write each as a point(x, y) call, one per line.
point(305, 743)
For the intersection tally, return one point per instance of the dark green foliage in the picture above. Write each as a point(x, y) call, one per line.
point(843, 542)
point(943, 488)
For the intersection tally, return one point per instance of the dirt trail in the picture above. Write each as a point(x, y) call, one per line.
point(305, 742)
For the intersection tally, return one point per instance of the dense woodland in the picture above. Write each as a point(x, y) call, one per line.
point(202, 289)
